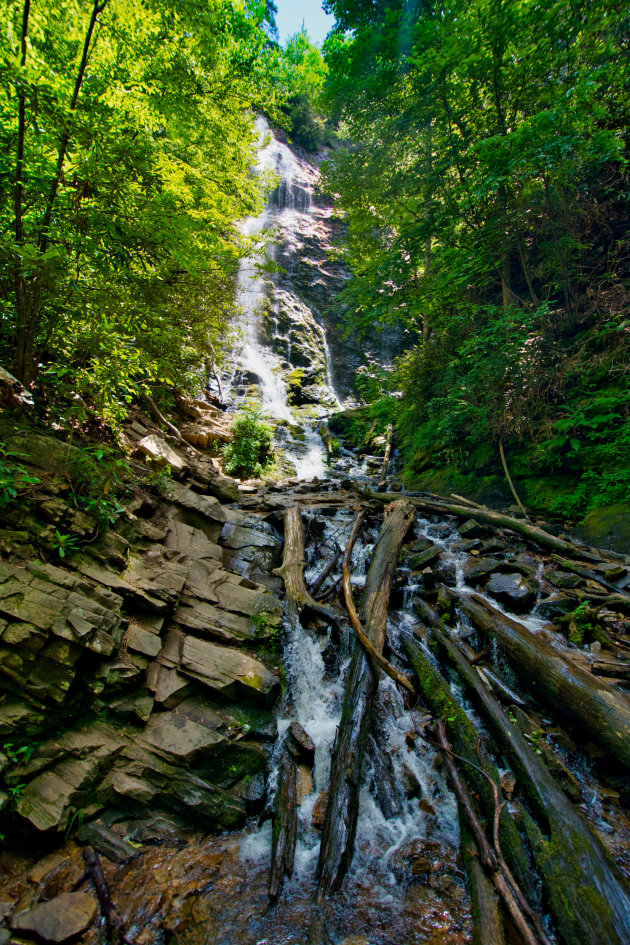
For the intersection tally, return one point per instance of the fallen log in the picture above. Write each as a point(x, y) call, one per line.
point(484, 516)
point(588, 896)
point(340, 822)
point(488, 924)
point(437, 696)
point(328, 570)
point(388, 455)
point(561, 683)
point(284, 834)
point(512, 898)
point(292, 570)
point(331, 447)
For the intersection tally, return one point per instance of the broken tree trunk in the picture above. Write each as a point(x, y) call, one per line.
point(556, 680)
point(284, 826)
point(292, 570)
point(340, 823)
point(387, 457)
point(587, 894)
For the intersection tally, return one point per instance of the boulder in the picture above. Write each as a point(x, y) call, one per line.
point(158, 451)
point(513, 590)
point(60, 919)
point(476, 570)
point(228, 672)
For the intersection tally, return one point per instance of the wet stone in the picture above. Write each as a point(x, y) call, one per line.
point(477, 570)
point(513, 590)
point(300, 742)
point(60, 919)
point(557, 605)
point(563, 579)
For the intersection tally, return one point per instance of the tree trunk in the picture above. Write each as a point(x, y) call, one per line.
point(388, 455)
point(340, 823)
point(563, 685)
point(485, 516)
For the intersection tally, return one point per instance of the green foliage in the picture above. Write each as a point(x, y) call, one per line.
point(62, 543)
point(485, 192)
point(124, 187)
point(301, 76)
point(249, 453)
point(14, 477)
point(99, 475)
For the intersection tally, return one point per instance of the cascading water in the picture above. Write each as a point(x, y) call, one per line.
point(290, 218)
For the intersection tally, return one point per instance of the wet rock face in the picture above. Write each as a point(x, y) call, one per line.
point(163, 650)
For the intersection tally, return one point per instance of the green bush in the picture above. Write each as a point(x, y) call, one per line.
point(249, 453)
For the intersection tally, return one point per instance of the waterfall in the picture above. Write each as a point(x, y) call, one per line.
point(271, 342)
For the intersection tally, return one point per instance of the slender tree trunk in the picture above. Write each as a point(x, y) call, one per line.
point(29, 298)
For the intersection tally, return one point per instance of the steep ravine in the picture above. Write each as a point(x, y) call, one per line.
point(153, 677)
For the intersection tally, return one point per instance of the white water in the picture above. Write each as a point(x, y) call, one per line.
point(289, 212)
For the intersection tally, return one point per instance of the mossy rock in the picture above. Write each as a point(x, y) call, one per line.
point(607, 527)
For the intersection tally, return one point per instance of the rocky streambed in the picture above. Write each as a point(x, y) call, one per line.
point(153, 681)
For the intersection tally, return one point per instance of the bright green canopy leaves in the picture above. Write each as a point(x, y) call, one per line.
point(126, 143)
point(487, 199)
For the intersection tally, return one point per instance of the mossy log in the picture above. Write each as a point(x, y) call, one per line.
point(340, 823)
point(463, 736)
point(292, 570)
point(484, 516)
point(284, 826)
point(589, 575)
point(589, 898)
point(565, 686)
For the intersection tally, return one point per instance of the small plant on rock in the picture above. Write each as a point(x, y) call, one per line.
point(249, 453)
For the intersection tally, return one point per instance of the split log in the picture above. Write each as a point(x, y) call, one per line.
point(485, 516)
point(564, 685)
point(340, 823)
point(113, 919)
point(292, 570)
point(284, 826)
point(388, 455)
point(588, 896)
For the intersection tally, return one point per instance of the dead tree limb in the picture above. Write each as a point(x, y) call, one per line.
point(284, 826)
point(328, 570)
point(510, 483)
point(159, 416)
point(292, 570)
point(340, 823)
point(485, 516)
point(113, 919)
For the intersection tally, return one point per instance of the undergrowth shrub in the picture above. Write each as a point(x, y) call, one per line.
point(249, 453)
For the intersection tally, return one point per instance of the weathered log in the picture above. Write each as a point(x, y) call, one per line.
point(284, 833)
point(388, 455)
point(564, 685)
point(113, 920)
point(590, 575)
point(340, 823)
point(485, 516)
point(292, 570)
point(588, 896)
